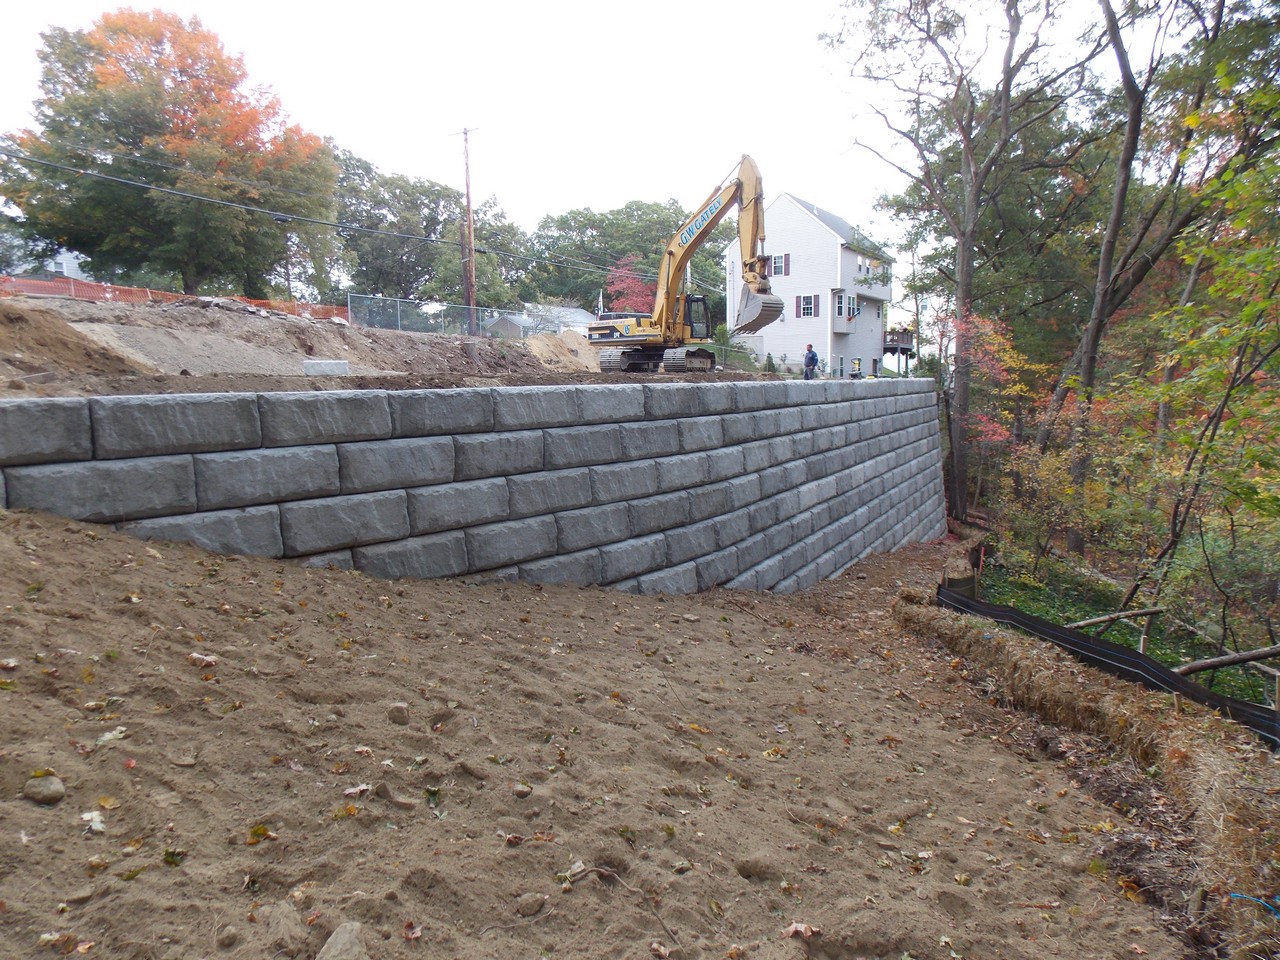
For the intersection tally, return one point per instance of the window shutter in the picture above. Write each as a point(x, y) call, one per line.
point(786, 264)
point(815, 304)
point(798, 313)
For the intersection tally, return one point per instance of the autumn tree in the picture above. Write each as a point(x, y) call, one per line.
point(628, 291)
point(152, 154)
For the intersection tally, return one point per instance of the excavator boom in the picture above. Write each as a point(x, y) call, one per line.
point(664, 337)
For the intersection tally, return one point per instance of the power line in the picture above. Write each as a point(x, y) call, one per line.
point(283, 217)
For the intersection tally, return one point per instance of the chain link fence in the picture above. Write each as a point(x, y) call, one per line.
point(417, 316)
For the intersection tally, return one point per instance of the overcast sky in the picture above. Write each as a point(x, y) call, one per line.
point(570, 103)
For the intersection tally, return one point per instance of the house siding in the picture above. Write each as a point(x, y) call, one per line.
point(820, 265)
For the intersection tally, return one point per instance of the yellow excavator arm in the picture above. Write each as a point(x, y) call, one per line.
point(663, 335)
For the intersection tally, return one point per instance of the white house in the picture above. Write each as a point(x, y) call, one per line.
point(835, 284)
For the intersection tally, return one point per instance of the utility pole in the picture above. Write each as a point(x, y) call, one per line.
point(469, 247)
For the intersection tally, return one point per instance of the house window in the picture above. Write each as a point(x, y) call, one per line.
point(807, 306)
point(779, 266)
point(840, 368)
point(839, 305)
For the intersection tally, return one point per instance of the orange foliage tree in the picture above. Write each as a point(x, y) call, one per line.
point(153, 157)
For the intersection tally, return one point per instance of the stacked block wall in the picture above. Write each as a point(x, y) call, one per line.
point(646, 487)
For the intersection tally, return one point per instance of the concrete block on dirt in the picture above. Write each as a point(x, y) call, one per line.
point(716, 568)
point(243, 478)
point(513, 542)
point(525, 408)
point(252, 531)
point(388, 464)
point(582, 567)
point(189, 423)
point(105, 491)
point(619, 561)
point(325, 368)
point(454, 505)
point(581, 446)
point(492, 454)
point(335, 416)
point(44, 431)
point(314, 526)
point(672, 580)
point(432, 413)
point(435, 555)
point(592, 526)
point(333, 559)
point(549, 492)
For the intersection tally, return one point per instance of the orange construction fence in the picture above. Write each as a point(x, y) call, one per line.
point(106, 293)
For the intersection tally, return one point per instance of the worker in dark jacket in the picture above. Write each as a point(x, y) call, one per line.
point(810, 362)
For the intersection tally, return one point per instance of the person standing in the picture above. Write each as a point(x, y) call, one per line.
point(810, 362)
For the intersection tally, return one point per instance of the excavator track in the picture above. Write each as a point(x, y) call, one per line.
point(686, 359)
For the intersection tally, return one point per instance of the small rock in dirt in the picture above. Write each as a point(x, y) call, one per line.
point(80, 897)
point(44, 790)
point(398, 713)
point(286, 933)
point(522, 790)
point(529, 904)
point(228, 937)
point(346, 943)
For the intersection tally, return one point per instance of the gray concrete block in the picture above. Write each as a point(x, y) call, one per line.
point(332, 559)
point(245, 477)
point(763, 514)
point(44, 431)
point(152, 426)
point(670, 581)
point(315, 526)
point(663, 512)
point(624, 481)
point(451, 506)
point(666, 401)
point(298, 419)
point(701, 433)
point(681, 472)
point(253, 531)
point(105, 491)
point(739, 428)
point(716, 568)
point(549, 492)
point(512, 542)
point(760, 396)
point(717, 398)
point(580, 446)
point(645, 440)
point(529, 408)
point(768, 423)
point(494, 454)
point(592, 526)
point(326, 368)
point(618, 561)
point(612, 403)
point(690, 542)
point(582, 567)
point(724, 463)
point(433, 413)
point(435, 555)
point(709, 500)
point(751, 551)
point(391, 464)
point(743, 490)
point(733, 527)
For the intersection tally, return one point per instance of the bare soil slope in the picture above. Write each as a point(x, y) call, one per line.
point(244, 758)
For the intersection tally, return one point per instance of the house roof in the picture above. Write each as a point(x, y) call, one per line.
point(850, 235)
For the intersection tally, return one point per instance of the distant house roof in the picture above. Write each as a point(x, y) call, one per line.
point(850, 235)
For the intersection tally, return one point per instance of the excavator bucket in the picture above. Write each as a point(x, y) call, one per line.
point(756, 310)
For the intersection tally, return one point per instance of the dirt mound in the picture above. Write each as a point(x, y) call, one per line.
point(567, 351)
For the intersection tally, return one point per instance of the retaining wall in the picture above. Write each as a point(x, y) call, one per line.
point(650, 488)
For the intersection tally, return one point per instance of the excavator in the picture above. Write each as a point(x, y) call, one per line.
point(672, 335)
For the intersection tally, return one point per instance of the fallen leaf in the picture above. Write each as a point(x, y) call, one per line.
point(201, 660)
point(803, 930)
point(411, 932)
point(658, 950)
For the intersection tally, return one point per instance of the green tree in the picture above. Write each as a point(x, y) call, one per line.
point(152, 154)
point(403, 239)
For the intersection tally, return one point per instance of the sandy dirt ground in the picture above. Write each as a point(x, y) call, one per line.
point(221, 757)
